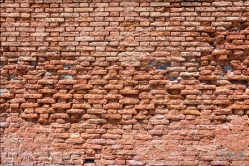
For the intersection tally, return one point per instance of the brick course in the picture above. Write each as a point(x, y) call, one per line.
point(124, 82)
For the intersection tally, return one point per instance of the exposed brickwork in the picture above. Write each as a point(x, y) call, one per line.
point(125, 82)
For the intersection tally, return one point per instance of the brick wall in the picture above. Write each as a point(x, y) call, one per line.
point(124, 82)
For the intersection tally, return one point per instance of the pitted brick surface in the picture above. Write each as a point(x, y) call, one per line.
point(124, 82)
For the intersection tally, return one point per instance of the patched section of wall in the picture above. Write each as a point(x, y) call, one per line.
point(124, 82)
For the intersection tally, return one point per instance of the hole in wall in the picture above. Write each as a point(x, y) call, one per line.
point(151, 64)
point(67, 76)
point(1, 65)
point(174, 92)
point(12, 77)
point(211, 45)
point(244, 82)
point(162, 66)
point(223, 105)
point(89, 161)
point(221, 76)
point(212, 34)
point(48, 73)
point(238, 29)
point(234, 81)
point(67, 67)
point(205, 82)
point(33, 64)
point(173, 78)
point(227, 68)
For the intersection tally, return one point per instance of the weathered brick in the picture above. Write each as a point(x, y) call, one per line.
point(76, 111)
point(29, 116)
point(54, 19)
point(61, 105)
point(125, 83)
point(47, 81)
point(164, 4)
point(44, 110)
point(68, 82)
point(59, 116)
point(32, 96)
point(29, 105)
point(82, 105)
point(129, 91)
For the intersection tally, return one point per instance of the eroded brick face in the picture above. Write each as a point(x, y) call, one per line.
point(124, 82)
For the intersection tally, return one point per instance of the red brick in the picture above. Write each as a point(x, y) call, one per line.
point(219, 163)
point(44, 110)
point(47, 81)
point(61, 105)
point(32, 96)
point(59, 116)
point(7, 95)
point(29, 105)
point(62, 96)
point(29, 116)
point(129, 91)
point(47, 100)
point(76, 111)
point(125, 83)
point(83, 86)
point(82, 105)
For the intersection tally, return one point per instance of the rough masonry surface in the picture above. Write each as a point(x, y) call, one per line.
point(124, 82)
